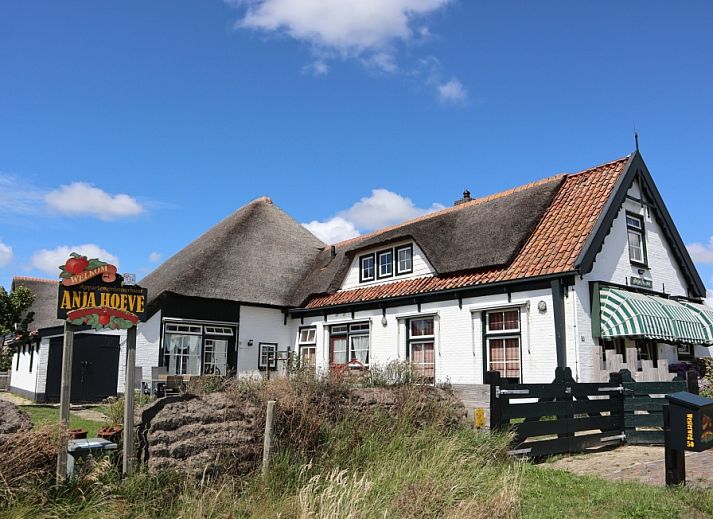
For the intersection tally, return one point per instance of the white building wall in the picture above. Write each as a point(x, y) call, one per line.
point(459, 337)
point(260, 325)
point(21, 378)
point(421, 267)
point(612, 265)
point(148, 337)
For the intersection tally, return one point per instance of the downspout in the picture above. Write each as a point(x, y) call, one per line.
point(560, 327)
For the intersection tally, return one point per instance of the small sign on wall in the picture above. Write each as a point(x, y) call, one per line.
point(641, 282)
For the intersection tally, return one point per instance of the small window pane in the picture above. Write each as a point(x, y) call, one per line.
point(339, 350)
point(405, 260)
point(268, 356)
point(342, 328)
point(634, 222)
point(359, 327)
point(367, 268)
point(386, 264)
point(360, 348)
point(421, 327)
point(307, 335)
point(636, 252)
point(508, 320)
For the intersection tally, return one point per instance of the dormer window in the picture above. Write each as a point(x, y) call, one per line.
point(367, 268)
point(637, 238)
point(386, 264)
point(404, 259)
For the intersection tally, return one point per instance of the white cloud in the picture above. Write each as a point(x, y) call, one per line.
point(333, 230)
point(350, 27)
point(49, 260)
point(154, 257)
point(316, 68)
point(5, 254)
point(370, 31)
point(701, 253)
point(452, 91)
point(381, 209)
point(20, 197)
point(80, 198)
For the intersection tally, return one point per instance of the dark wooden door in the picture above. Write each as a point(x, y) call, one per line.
point(95, 367)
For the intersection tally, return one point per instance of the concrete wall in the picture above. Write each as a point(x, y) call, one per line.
point(22, 380)
point(260, 325)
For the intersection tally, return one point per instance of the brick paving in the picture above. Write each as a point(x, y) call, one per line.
point(637, 463)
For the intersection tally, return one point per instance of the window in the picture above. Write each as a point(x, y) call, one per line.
point(218, 330)
point(349, 344)
point(182, 353)
point(684, 351)
point(404, 260)
point(307, 347)
point(502, 339)
point(637, 241)
point(421, 351)
point(268, 356)
point(215, 357)
point(193, 349)
point(386, 264)
point(366, 268)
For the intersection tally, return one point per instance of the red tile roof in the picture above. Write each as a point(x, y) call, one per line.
point(551, 249)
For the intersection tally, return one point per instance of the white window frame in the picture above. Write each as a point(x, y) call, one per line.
point(412, 340)
point(219, 330)
point(362, 259)
point(379, 264)
point(509, 331)
point(397, 256)
point(272, 364)
point(312, 330)
point(183, 329)
point(504, 362)
point(635, 227)
point(222, 368)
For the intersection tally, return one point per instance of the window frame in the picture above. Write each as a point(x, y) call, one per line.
point(397, 262)
point(641, 231)
point(379, 254)
point(213, 362)
point(412, 340)
point(362, 258)
point(307, 344)
point(204, 331)
point(348, 332)
point(511, 333)
point(272, 364)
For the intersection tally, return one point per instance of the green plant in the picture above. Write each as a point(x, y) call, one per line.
point(115, 412)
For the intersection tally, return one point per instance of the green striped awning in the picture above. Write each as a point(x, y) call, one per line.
point(630, 314)
point(705, 316)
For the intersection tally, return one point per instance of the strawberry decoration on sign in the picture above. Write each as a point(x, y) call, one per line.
point(78, 269)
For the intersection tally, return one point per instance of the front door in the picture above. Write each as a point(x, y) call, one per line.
point(215, 356)
point(338, 350)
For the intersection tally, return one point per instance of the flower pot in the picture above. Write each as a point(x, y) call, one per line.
point(77, 434)
point(112, 434)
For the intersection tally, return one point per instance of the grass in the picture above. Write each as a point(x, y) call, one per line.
point(548, 492)
point(47, 414)
point(334, 464)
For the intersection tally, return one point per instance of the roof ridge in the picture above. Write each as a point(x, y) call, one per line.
point(446, 210)
point(32, 278)
point(591, 169)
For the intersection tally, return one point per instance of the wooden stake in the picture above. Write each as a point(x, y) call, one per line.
point(65, 393)
point(267, 442)
point(128, 462)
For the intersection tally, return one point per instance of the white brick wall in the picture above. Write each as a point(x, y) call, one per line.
point(148, 335)
point(612, 264)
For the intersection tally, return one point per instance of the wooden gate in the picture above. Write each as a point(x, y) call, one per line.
point(567, 416)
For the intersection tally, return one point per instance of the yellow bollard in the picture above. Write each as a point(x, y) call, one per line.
point(479, 417)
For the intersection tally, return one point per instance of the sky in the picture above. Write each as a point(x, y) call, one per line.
point(128, 128)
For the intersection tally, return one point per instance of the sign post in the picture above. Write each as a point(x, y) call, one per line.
point(92, 295)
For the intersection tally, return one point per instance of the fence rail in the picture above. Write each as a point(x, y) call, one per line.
point(567, 416)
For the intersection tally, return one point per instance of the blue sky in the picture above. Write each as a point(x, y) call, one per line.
point(131, 127)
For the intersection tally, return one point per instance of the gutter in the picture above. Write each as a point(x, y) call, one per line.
point(498, 287)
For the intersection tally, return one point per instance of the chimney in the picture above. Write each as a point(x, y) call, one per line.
point(466, 198)
point(333, 250)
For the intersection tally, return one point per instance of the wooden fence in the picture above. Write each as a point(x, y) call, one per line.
point(4, 380)
point(567, 416)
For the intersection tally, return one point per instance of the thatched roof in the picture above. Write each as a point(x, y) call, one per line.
point(483, 233)
point(256, 255)
point(45, 304)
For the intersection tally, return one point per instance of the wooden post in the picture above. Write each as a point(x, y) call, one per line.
point(128, 462)
point(65, 393)
point(496, 410)
point(692, 381)
point(674, 459)
point(267, 442)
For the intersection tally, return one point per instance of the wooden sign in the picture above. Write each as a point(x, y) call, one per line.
point(93, 294)
point(641, 282)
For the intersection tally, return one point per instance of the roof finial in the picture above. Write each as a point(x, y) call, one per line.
point(636, 138)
